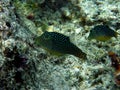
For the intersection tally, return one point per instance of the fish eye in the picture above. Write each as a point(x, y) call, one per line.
point(91, 30)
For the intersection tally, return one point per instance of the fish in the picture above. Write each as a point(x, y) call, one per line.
point(102, 33)
point(58, 44)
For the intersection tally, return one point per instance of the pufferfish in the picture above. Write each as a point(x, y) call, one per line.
point(58, 44)
point(102, 33)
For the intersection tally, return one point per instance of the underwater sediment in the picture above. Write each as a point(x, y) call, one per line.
point(26, 66)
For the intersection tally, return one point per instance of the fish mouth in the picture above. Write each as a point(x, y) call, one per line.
point(89, 38)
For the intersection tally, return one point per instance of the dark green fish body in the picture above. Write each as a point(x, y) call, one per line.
point(102, 33)
point(58, 44)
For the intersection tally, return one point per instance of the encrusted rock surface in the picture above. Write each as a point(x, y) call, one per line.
point(23, 66)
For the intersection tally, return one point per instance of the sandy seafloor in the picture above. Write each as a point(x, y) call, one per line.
point(22, 20)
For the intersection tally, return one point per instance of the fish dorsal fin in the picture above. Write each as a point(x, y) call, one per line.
point(64, 37)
